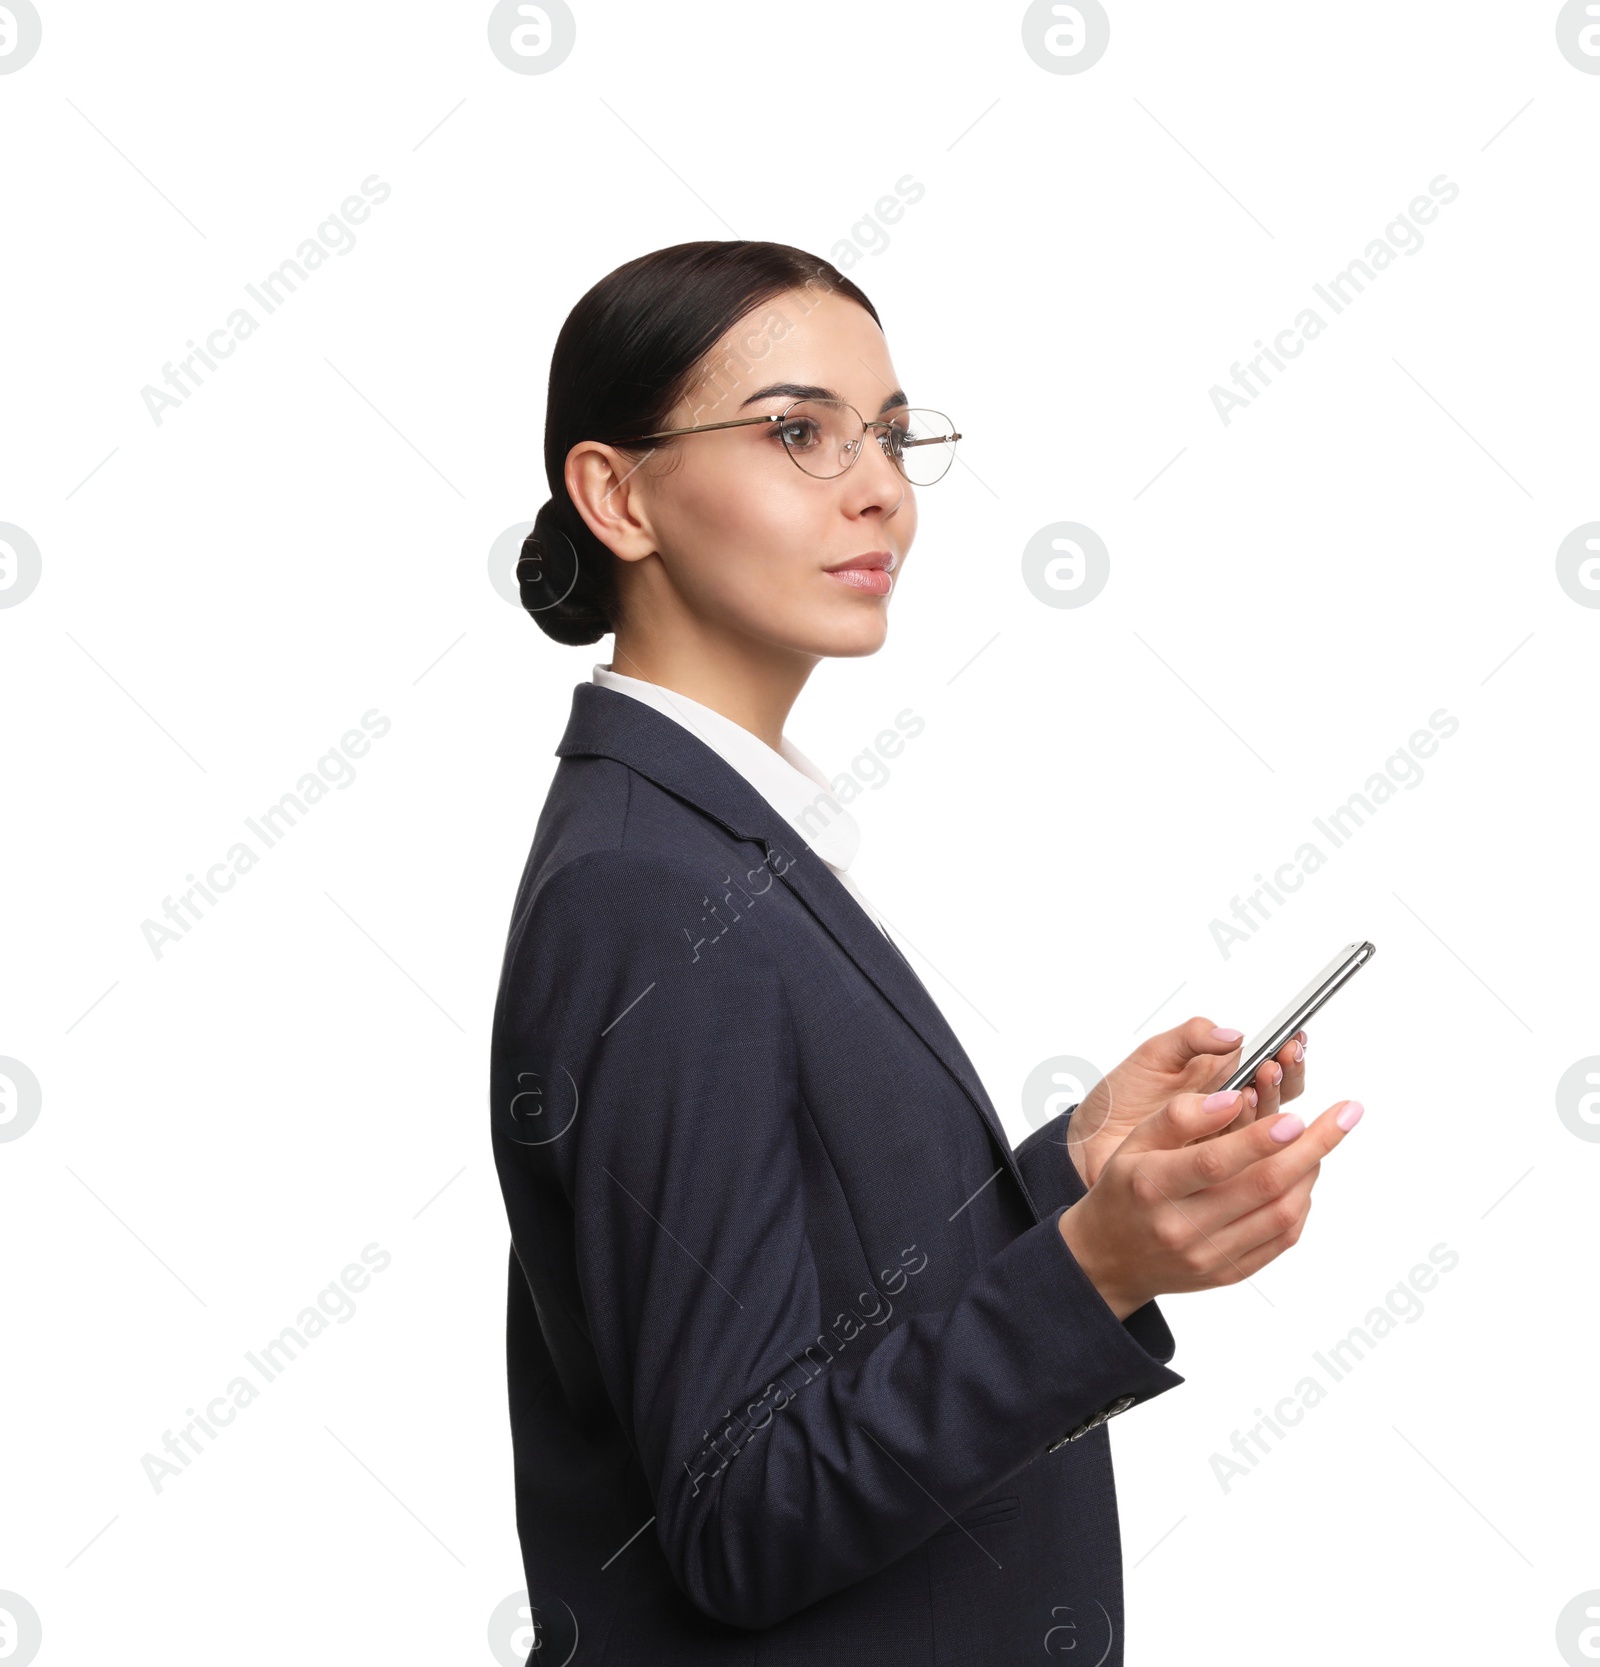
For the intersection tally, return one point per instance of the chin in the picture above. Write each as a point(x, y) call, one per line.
point(853, 638)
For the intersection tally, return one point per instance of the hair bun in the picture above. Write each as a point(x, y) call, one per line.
point(547, 569)
point(553, 583)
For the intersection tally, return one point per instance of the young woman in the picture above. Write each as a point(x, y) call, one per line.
point(806, 1363)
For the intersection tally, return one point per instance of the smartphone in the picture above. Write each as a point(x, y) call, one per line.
point(1338, 972)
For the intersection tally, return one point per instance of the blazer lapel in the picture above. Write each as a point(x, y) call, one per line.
point(881, 960)
point(611, 723)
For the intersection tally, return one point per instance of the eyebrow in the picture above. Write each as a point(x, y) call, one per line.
point(805, 390)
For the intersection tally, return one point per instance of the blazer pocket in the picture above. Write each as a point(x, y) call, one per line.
point(983, 1515)
point(982, 1577)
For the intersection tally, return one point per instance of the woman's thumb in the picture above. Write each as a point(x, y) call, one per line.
point(1183, 1118)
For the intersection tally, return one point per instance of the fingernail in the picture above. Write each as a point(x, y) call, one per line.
point(1302, 1035)
point(1350, 1116)
point(1250, 1095)
point(1279, 1069)
point(1223, 1097)
point(1227, 1035)
point(1287, 1127)
point(1299, 1051)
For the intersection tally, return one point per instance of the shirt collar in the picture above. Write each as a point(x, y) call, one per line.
point(786, 779)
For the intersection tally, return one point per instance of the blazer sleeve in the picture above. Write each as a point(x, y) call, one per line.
point(779, 1476)
point(1047, 1165)
point(1055, 1184)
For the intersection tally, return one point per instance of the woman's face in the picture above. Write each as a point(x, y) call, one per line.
point(743, 537)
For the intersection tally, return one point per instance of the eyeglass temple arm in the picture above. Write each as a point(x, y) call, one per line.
point(741, 422)
point(702, 428)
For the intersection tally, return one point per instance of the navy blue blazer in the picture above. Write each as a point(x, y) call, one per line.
point(801, 1369)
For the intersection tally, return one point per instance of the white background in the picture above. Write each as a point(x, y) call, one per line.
point(1290, 596)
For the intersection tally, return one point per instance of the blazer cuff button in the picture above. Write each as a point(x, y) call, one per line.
point(1121, 1404)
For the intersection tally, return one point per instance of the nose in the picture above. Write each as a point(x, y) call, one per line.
point(874, 477)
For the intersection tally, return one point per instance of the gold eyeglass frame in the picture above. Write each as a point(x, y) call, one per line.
point(781, 416)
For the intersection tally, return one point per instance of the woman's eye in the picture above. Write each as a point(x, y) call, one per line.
point(799, 434)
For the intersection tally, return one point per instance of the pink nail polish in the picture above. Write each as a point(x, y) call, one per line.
point(1227, 1035)
point(1286, 1128)
point(1299, 1051)
point(1215, 1102)
point(1350, 1116)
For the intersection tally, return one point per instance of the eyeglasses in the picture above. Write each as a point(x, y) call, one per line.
point(824, 437)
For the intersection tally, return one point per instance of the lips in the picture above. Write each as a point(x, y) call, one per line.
point(869, 574)
point(883, 560)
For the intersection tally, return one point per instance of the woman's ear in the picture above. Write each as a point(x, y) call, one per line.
point(608, 491)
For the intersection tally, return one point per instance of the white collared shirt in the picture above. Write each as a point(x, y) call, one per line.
point(787, 780)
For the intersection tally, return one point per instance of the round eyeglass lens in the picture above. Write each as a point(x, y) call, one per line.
point(824, 437)
point(821, 435)
point(921, 442)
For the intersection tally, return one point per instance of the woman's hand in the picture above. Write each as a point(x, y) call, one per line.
point(1193, 1058)
point(1188, 1202)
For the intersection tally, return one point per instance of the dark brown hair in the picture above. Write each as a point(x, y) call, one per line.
point(626, 355)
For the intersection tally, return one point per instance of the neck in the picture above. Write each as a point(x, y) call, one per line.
point(751, 683)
